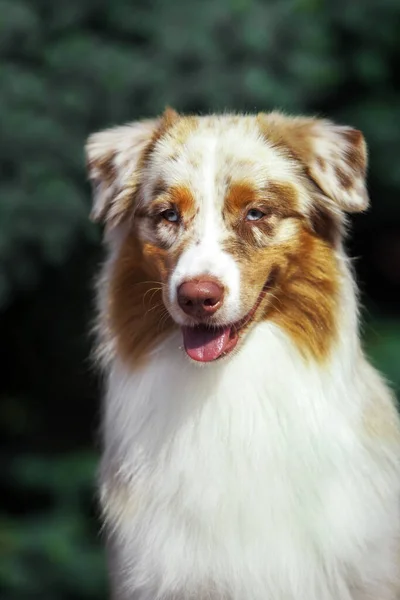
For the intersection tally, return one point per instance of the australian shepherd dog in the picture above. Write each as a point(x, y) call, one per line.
point(250, 450)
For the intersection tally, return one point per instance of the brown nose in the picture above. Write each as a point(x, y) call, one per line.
point(200, 298)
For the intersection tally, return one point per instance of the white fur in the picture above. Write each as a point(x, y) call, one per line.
point(252, 478)
point(204, 255)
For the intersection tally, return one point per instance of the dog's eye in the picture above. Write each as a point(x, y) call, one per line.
point(254, 215)
point(171, 215)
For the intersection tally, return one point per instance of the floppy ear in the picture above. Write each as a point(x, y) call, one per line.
point(334, 157)
point(113, 161)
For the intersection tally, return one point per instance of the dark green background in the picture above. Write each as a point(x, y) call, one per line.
point(69, 67)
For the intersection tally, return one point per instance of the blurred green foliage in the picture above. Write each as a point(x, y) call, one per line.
point(74, 66)
point(50, 553)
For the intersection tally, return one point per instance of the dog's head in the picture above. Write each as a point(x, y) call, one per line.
point(220, 222)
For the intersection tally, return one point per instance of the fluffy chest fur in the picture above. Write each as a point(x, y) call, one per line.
point(254, 479)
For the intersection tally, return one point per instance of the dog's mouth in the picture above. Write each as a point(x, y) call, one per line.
point(204, 343)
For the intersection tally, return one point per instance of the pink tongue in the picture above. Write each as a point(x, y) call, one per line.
point(203, 344)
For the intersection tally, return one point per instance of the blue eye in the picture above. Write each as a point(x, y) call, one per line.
point(254, 215)
point(171, 215)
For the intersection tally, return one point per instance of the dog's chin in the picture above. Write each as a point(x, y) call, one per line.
point(207, 343)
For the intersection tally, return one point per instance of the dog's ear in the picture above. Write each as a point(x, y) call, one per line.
point(114, 160)
point(334, 157)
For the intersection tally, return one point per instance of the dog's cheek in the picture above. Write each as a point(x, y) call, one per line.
point(306, 298)
point(156, 261)
point(257, 263)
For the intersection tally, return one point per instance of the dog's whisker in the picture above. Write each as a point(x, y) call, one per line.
point(154, 290)
point(163, 319)
point(155, 307)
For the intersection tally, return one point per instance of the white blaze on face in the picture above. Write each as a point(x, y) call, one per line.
point(204, 255)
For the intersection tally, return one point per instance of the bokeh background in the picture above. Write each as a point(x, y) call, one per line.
point(69, 67)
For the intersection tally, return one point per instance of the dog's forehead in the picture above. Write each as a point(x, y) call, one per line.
point(218, 151)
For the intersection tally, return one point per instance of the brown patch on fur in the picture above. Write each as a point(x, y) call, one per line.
point(239, 196)
point(240, 246)
point(242, 197)
point(168, 119)
point(183, 199)
point(354, 137)
point(305, 302)
point(356, 149)
point(325, 225)
point(121, 210)
point(160, 187)
point(107, 167)
point(321, 163)
point(104, 165)
point(294, 136)
point(278, 197)
point(345, 180)
point(179, 196)
point(137, 315)
point(283, 198)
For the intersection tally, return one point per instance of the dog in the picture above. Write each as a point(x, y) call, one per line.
point(250, 450)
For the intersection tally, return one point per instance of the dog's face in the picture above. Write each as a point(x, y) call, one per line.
point(220, 222)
